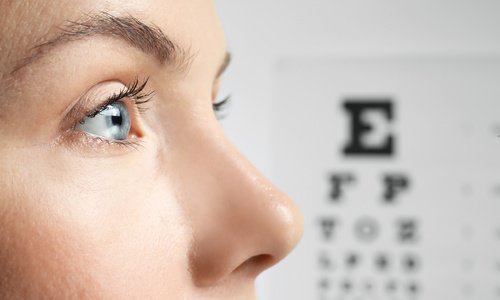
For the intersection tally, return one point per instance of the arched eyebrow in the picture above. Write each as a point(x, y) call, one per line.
point(150, 39)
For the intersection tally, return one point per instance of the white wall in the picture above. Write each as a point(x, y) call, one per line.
point(261, 33)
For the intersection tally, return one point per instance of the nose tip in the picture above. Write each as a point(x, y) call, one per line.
point(245, 226)
point(282, 226)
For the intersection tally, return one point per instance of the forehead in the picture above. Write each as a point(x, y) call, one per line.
point(192, 24)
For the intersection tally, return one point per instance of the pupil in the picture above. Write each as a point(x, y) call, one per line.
point(116, 120)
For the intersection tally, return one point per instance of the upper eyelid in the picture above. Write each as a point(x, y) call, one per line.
point(99, 96)
point(132, 91)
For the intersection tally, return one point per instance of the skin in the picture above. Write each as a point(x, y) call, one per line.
point(179, 214)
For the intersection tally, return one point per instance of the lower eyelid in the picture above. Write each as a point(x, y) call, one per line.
point(85, 143)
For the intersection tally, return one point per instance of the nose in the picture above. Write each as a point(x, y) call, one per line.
point(241, 223)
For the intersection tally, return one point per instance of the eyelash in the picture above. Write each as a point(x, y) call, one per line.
point(220, 106)
point(134, 92)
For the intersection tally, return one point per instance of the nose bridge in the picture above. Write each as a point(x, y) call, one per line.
point(240, 220)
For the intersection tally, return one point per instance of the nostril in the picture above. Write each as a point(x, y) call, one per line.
point(255, 265)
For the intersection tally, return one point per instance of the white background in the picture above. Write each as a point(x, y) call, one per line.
point(262, 33)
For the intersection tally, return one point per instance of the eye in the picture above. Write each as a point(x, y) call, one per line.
point(220, 108)
point(116, 118)
point(113, 122)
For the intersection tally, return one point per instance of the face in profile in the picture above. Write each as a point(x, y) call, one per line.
point(116, 180)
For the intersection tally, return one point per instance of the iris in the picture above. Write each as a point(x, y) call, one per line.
point(112, 123)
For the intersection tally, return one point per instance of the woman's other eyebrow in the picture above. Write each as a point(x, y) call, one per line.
point(150, 39)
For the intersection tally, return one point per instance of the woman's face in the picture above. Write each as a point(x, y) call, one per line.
point(116, 180)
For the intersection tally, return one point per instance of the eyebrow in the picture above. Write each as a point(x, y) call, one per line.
point(150, 39)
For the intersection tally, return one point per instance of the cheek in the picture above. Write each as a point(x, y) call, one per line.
point(36, 257)
point(98, 226)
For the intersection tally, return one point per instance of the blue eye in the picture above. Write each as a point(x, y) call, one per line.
point(111, 123)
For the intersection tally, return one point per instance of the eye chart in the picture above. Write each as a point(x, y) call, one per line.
point(395, 163)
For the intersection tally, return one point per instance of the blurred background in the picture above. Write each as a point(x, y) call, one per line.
point(381, 119)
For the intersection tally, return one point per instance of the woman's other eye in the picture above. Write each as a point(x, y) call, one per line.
point(220, 108)
point(113, 122)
